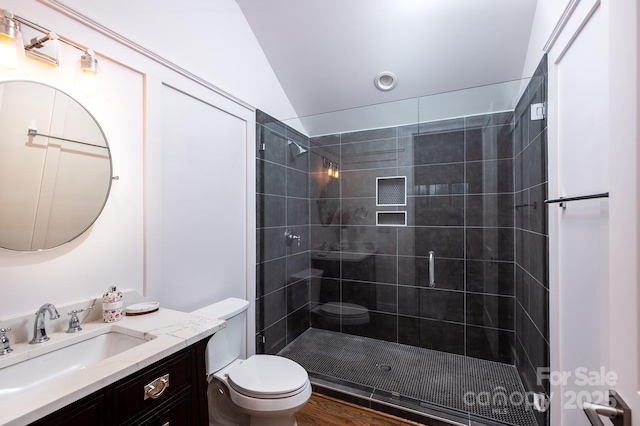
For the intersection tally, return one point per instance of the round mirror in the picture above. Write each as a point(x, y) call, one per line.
point(329, 203)
point(55, 167)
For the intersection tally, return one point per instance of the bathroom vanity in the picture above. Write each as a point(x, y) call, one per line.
point(151, 371)
point(169, 392)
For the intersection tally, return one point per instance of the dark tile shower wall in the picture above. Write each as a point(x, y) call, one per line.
point(282, 186)
point(532, 239)
point(460, 204)
point(476, 188)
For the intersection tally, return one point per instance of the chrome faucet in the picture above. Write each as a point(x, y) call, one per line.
point(39, 332)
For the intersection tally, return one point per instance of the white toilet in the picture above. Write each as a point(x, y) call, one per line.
point(331, 314)
point(263, 390)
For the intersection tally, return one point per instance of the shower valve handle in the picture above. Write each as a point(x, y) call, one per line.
point(290, 237)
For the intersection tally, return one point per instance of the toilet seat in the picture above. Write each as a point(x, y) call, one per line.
point(344, 309)
point(268, 377)
point(348, 313)
point(267, 407)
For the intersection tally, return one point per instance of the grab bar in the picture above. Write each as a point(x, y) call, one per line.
point(617, 411)
point(34, 133)
point(432, 271)
point(563, 200)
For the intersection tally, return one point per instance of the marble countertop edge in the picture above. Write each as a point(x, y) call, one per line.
point(166, 332)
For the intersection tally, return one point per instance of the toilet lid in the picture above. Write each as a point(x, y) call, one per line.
point(344, 309)
point(267, 375)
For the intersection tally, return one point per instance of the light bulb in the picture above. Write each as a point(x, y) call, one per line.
point(11, 47)
point(330, 172)
point(8, 53)
point(336, 173)
point(89, 83)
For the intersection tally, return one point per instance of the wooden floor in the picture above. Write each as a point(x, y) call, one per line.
point(323, 410)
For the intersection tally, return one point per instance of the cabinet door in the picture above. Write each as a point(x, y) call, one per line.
point(87, 411)
point(183, 401)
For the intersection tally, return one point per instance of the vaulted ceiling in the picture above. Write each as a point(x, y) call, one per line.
point(327, 53)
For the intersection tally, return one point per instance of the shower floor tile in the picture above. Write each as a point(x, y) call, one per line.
point(480, 388)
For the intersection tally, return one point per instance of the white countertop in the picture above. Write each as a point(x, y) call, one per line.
point(166, 330)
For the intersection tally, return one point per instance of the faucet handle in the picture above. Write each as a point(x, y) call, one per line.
point(5, 347)
point(74, 321)
point(290, 237)
point(77, 311)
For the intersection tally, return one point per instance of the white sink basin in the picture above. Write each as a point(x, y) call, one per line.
point(23, 376)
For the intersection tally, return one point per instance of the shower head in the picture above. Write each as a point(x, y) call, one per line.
point(301, 149)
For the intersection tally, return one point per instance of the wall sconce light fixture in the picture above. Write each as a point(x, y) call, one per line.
point(43, 46)
point(333, 169)
point(89, 73)
point(11, 47)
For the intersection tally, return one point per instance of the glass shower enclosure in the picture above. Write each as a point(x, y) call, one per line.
point(412, 218)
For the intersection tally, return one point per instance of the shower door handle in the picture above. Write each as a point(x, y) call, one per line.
point(432, 271)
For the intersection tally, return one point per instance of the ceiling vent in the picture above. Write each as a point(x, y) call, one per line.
point(385, 81)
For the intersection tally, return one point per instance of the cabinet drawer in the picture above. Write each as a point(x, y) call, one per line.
point(176, 412)
point(155, 386)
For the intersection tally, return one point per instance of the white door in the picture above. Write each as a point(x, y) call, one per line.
point(593, 136)
point(200, 199)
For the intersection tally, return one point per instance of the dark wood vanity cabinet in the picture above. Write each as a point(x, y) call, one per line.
point(144, 398)
point(87, 411)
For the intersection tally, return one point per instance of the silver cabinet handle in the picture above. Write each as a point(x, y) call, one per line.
point(432, 270)
point(617, 410)
point(156, 388)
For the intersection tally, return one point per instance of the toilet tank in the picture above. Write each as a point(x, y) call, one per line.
point(225, 346)
point(315, 283)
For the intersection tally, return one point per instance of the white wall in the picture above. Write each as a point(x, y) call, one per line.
point(126, 244)
point(112, 250)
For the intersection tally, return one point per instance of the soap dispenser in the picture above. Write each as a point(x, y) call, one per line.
point(112, 305)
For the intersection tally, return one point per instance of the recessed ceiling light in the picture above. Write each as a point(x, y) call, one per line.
point(385, 81)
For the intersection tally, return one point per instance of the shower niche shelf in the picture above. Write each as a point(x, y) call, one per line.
point(394, 218)
point(391, 191)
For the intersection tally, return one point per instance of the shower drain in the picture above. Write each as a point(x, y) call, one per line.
point(383, 367)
